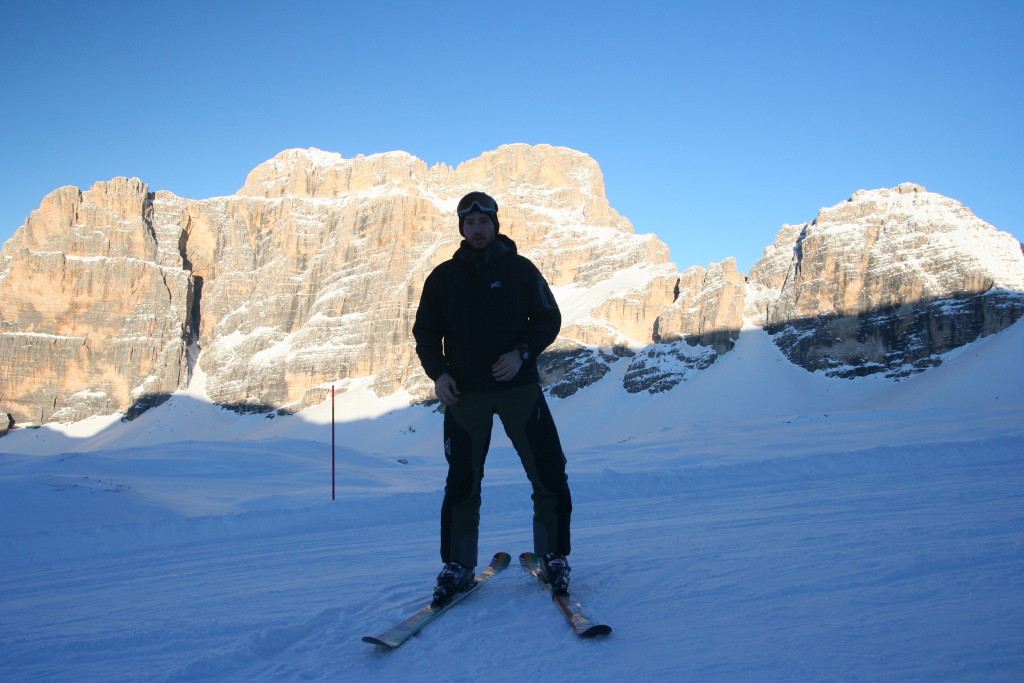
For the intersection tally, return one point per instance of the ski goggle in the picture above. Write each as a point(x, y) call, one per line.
point(483, 207)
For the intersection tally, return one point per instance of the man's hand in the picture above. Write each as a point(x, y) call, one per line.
point(507, 366)
point(445, 389)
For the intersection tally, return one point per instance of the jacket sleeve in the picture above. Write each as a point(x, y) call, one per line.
point(545, 318)
point(428, 330)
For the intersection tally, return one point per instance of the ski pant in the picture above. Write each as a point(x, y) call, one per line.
point(467, 436)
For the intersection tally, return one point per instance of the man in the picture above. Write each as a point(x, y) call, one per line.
point(484, 317)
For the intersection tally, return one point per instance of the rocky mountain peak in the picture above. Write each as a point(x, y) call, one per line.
point(884, 256)
point(316, 174)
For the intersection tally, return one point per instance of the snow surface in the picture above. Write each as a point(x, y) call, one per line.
point(757, 523)
point(576, 303)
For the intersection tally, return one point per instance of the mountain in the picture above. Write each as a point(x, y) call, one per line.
point(886, 282)
point(310, 274)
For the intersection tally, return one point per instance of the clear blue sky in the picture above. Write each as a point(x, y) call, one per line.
point(714, 122)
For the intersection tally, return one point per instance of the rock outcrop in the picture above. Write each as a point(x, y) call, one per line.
point(311, 273)
point(94, 307)
point(885, 282)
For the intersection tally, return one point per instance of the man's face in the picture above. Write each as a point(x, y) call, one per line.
point(478, 229)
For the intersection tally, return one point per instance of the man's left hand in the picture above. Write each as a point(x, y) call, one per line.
point(507, 366)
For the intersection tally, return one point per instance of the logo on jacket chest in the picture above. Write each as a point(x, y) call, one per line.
point(496, 284)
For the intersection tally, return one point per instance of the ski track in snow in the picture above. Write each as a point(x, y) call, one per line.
point(861, 532)
point(906, 572)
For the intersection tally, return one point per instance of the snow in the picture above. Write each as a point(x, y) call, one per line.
point(757, 523)
point(957, 238)
point(576, 303)
point(42, 335)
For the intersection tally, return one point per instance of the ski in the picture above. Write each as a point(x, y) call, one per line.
point(573, 611)
point(401, 632)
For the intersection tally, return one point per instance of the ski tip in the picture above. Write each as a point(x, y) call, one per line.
point(377, 641)
point(501, 559)
point(596, 630)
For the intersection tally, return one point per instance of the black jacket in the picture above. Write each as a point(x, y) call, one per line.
point(477, 306)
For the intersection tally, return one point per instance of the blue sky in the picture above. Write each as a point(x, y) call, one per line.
point(714, 122)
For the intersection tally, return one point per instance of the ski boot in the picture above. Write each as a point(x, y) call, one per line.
point(454, 578)
point(556, 572)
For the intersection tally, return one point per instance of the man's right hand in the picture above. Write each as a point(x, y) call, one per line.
point(445, 389)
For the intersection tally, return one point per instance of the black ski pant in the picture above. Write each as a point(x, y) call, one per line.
point(467, 436)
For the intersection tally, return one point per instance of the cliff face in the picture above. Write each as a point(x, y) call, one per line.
point(315, 267)
point(94, 307)
point(311, 274)
point(886, 281)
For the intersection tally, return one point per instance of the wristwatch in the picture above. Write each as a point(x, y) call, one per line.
point(524, 352)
